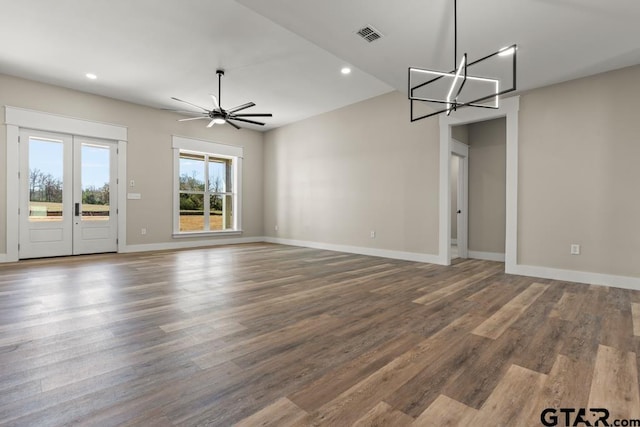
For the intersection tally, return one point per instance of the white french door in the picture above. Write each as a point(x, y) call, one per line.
point(95, 229)
point(68, 199)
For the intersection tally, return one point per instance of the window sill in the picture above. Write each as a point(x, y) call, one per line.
point(206, 234)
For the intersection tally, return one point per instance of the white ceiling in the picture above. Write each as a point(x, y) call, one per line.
point(286, 55)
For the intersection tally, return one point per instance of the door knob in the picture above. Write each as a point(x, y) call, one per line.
point(459, 211)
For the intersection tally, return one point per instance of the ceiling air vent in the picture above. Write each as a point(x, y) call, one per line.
point(369, 33)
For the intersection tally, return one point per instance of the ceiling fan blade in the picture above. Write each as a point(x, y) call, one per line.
point(187, 102)
point(216, 105)
point(193, 118)
point(183, 111)
point(241, 107)
point(233, 124)
point(254, 115)
point(211, 123)
point(247, 121)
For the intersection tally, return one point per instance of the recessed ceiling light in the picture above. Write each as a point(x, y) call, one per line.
point(91, 76)
point(346, 70)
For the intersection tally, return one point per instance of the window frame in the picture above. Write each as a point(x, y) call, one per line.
point(209, 150)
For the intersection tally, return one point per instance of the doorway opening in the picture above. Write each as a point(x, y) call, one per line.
point(509, 110)
point(478, 169)
point(459, 199)
point(455, 210)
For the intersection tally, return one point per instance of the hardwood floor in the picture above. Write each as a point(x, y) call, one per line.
point(276, 335)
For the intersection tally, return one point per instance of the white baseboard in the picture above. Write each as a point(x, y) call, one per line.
point(384, 253)
point(624, 282)
point(487, 256)
point(189, 244)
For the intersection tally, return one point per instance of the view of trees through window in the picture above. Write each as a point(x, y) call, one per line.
point(44, 187)
point(47, 189)
point(205, 193)
point(45, 196)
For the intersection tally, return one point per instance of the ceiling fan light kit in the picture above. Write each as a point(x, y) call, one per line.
point(218, 115)
point(449, 90)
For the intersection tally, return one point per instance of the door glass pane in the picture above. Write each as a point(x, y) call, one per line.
point(46, 165)
point(191, 172)
point(191, 212)
point(95, 182)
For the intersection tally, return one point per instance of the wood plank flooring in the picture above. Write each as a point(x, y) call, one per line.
point(272, 335)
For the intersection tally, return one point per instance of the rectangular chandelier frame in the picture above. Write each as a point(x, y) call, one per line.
point(452, 105)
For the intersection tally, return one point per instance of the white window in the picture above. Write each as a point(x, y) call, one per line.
point(206, 187)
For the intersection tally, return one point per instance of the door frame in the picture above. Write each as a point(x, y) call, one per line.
point(509, 108)
point(16, 118)
point(461, 151)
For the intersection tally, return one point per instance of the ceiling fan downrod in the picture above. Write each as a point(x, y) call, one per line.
point(220, 73)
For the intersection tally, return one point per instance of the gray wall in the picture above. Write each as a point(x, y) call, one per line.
point(460, 133)
point(487, 185)
point(577, 177)
point(335, 177)
point(149, 154)
point(579, 174)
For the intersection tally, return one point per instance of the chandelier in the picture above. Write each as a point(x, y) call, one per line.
point(478, 83)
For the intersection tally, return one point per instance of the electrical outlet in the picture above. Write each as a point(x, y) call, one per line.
point(373, 234)
point(143, 231)
point(575, 249)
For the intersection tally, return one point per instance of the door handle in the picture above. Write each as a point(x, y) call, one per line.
point(459, 211)
point(77, 209)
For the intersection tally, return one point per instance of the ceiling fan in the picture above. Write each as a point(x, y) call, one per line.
point(218, 115)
